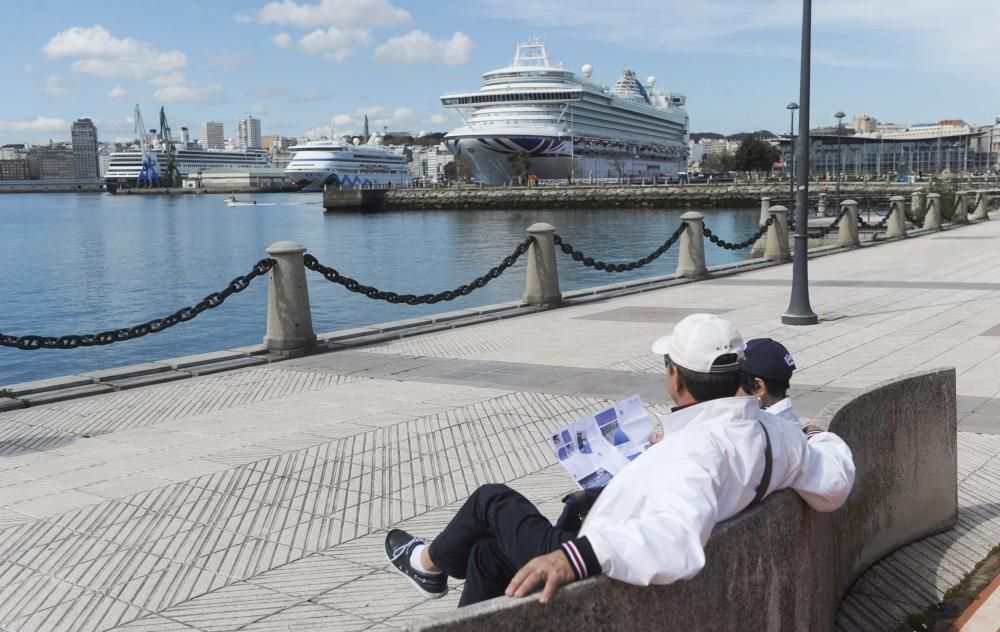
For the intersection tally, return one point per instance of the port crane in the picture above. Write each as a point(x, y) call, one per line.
point(149, 172)
point(169, 174)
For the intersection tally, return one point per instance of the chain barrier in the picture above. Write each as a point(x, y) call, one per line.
point(240, 283)
point(746, 243)
point(826, 230)
point(590, 262)
point(414, 299)
point(879, 224)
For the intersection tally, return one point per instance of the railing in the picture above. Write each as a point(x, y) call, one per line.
point(289, 319)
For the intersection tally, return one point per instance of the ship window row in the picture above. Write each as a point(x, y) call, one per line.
point(506, 98)
point(527, 73)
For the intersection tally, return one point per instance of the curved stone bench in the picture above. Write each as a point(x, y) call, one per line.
point(780, 565)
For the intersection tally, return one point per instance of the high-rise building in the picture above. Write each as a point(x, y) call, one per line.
point(52, 162)
point(213, 135)
point(248, 133)
point(84, 137)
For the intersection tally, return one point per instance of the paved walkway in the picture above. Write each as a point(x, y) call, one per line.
point(257, 499)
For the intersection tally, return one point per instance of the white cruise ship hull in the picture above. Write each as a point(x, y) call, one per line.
point(558, 158)
point(319, 164)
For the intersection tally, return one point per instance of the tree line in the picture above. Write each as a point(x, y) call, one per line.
point(753, 154)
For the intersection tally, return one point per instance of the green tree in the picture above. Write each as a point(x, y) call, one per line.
point(754, 154)
point(520, 164)
point(719, 162)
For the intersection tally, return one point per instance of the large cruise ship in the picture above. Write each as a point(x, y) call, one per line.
point(124, 166)
point(533, 118)
point(343, 164)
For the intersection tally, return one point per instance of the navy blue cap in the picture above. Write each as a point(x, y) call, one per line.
point(768, 359)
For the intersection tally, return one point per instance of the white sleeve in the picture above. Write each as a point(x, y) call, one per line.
point(826, 474)
point(655, 533)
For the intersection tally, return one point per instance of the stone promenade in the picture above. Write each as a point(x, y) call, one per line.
point(257, 499)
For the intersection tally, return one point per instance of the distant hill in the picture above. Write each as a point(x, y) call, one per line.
point(761, 133)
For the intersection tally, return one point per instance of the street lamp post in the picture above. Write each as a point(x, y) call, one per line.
point(799, 311)
point(791, 155)
point(840, 155)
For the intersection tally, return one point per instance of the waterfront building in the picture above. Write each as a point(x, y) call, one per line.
point(14, 169)
point(281, 142)
point(537, 118)
point(427, 163)
point(84, 139)
point(53, 162)
point(13, 151)
point(248, 133)
point(213, 135)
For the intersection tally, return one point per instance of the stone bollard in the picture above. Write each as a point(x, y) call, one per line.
point(776, 248)
point(932, 220)
point(541, 285)
point(691, 259)
point(896, 226)
point(757, 251)
point(289, 318)
point(848, 235)
point(961, 214)
point(982, 209)
point(917, 201)
point(821, 205)
point(765, 204)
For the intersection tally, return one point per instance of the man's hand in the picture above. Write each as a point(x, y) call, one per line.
point(553, 570)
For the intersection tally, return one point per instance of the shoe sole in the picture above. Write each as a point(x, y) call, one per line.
point(414, 583)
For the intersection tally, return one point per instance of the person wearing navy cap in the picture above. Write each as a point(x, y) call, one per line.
point(766, 374)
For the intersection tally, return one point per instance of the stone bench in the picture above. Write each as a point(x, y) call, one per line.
point(780, 565)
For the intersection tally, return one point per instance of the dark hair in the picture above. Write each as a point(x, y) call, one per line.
point(777, 389)
point(706, 386)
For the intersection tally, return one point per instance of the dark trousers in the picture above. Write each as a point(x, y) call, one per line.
point(495, 533)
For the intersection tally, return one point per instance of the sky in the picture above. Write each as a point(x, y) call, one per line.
point(302, 65)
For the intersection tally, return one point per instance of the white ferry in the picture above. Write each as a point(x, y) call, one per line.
point(544, 121)
point(342, 164)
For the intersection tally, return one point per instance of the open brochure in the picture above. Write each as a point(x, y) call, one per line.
point(594, 448)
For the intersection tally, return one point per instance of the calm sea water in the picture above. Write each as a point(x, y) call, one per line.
point(75, 264)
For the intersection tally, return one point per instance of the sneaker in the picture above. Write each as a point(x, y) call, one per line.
point(398, 546)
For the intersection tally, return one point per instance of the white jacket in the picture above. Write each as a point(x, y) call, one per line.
point(651, 523)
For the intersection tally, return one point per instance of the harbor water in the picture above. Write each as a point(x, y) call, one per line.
point(85, 263)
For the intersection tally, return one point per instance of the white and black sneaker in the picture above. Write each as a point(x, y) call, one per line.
point(398, 546)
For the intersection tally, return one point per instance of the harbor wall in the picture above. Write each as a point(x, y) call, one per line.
point(613, 196)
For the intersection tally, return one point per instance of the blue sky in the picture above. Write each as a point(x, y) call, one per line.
point(304, 64)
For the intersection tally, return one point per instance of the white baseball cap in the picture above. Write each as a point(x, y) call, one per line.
point(698, 341)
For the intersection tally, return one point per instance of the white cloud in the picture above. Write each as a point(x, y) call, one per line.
point(418, 47)
point(98, 52)
point(229, 59)
point(38, 124)
point(341, 13)
point(118, 92)
point(436, 119)
point(170, 79)
point(188, 92)
point(334, 43)
point(282, 40)
point(56, 86)
point(851, 30)
point(258, 109)
point(343, 120)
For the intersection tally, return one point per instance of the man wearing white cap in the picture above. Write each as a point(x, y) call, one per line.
point(719, 454)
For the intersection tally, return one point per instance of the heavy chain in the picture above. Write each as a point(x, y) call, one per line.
point(826, 230)
point(879, 224)
point(568, 248)
point(746, 243)
point(240, 283)
point(413, 299)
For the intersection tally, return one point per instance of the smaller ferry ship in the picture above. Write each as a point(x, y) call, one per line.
point(343, 164)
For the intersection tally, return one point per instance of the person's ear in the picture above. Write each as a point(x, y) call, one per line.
point(759, 387)
point(676, 381)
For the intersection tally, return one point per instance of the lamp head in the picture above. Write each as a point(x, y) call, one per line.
point(792, 106)
point(840, 115)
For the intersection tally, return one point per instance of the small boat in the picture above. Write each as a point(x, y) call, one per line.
point(235, 200)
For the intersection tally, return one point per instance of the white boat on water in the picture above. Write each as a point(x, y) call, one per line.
point(342, 164)
point(240, 200)
point(566, 125)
